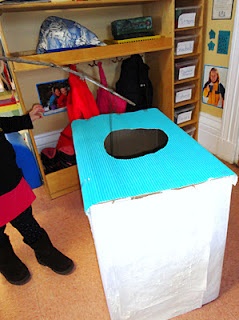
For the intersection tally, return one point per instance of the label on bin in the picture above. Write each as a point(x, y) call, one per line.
point(185, 47)
point(186, 72)
point(183, 95)
point(184, 116)
point(186, 20)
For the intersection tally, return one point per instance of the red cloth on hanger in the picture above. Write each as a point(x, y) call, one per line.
point(80, 101)
point(80, 105)
point(106, 101)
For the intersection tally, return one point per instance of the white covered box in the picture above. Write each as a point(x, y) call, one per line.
point(159, 221)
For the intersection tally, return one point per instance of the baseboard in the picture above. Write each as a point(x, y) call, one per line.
point(226, 150)
point(47, 140)
point(209, 132)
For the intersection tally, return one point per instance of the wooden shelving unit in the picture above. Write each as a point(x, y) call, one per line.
point(20, 25)
point(196, 30)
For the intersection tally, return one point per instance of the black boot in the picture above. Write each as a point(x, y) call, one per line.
point(49, 256)
point(12, 268)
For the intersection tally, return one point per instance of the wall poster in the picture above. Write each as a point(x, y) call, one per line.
point(53, 96)
point(214, 84)
point(222, 9)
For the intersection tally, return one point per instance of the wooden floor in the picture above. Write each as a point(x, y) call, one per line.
point(80, 296)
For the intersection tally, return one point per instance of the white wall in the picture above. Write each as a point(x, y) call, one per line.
point(221, 135)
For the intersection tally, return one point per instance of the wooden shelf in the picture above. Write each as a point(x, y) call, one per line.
point(183, 103)
point(187, 123)
point(186, 80)
point(185, 56)
point(95, 15)
point(95, 53)
point(67, 5)
point(191, 29)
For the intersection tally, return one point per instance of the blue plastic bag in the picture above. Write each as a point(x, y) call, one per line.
point(58, 34)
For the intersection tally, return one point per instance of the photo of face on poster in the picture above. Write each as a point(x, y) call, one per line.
point(214, 84)
point(53, 96)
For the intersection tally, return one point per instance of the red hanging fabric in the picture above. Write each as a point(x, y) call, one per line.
point(80, 101)
point(106, 101)
point(80, 105)
point(65, 138)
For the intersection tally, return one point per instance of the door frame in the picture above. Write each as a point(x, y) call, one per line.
point(228, 143)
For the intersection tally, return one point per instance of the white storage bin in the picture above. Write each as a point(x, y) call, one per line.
point(184, 93)
point(185, 69)
point(154, 277)
point(185, 44)
point(186, 17)
point(183, 114)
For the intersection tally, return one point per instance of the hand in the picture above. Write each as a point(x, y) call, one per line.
point(36, 112)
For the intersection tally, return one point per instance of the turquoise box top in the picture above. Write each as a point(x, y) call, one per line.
point(182, 162)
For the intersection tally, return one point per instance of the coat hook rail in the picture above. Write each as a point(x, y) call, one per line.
point(117, 60)
point(66, 69)
point(94, 64)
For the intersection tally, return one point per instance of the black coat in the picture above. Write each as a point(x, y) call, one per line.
point(10, 174)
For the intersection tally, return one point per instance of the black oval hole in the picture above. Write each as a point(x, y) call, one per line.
point(133, 143)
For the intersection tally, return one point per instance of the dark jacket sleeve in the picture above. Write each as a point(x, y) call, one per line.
point(15, 123)
point(222, 90)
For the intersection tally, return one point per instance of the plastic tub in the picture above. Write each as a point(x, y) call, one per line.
point(183, 114)
point(184, 93)
point(185, 44)
point(186, 17)
point(185, 69)
point(190, 129)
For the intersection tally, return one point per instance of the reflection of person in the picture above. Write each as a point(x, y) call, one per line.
point(16, 198)
point(62, 99)
point(213, 89)
point(53, 98)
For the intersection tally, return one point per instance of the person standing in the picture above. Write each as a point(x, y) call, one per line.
point(53, 98)
point(62, 99)
point(16, 198)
